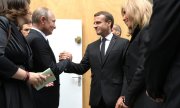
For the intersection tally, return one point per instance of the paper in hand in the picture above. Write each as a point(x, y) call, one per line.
point(50, 78)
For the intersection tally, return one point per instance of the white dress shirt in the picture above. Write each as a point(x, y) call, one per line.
point(108, 40)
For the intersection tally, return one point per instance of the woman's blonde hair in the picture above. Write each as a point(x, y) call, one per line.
point(138, 11)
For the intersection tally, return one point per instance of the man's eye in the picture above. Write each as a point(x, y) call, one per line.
point(26, 29)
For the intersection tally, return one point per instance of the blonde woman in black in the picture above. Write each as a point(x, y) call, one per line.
point(136, 15)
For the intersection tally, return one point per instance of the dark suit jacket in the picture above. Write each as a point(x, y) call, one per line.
point(163, 53)
point(14, 53)
point(43, 58)
point(133, 62)
point(107, 75)
point(135, 96)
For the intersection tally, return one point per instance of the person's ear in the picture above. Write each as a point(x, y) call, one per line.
point(118, 33)
point(109, 22)
point(43, 19)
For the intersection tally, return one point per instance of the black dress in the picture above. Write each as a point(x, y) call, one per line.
point(14, 53)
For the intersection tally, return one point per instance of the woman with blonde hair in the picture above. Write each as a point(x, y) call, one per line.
point(136, 15)
point(15, 57)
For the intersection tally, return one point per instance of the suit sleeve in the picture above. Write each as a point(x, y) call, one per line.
point(7, 67)
point(40, 47)
point(80, 68)
point(137, 85)
point(163, 44)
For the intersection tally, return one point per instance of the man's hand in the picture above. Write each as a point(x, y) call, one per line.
point(65, 55)
point(120, 103)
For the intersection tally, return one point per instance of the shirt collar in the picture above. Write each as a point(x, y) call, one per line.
point(40, 32)
point(108, 37)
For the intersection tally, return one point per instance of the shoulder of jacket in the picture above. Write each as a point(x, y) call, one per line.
point(4, 22)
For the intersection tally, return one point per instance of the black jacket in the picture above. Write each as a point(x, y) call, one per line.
point(134, 65)
point(43, 58)
point(14, 53)
point(163, 53)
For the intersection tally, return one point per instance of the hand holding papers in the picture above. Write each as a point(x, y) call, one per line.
point(50, 78)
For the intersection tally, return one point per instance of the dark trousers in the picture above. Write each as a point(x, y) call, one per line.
point(101, 104)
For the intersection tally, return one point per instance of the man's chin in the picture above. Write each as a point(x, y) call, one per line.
point(49, 34)
point(98, 33)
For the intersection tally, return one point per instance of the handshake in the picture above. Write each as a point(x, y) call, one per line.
point(65, 55)
point(41, 79)
point(62, 56)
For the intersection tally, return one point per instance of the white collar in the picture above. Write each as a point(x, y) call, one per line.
point(40, 32)
point(108, 37)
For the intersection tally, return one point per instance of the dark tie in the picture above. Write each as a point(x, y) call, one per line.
point(103, 41)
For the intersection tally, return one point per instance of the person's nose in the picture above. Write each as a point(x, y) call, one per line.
point(125, 18)
point(95, 25)
point(54, 26)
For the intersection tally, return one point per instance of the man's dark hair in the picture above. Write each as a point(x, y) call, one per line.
point(108, 16)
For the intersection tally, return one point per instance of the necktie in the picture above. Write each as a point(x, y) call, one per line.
point(103, 48)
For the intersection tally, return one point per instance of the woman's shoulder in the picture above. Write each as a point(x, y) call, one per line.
point(4, 22)
point(3, 19)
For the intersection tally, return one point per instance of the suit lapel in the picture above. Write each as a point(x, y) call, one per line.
point(97, 49)
point(113, 40)
point(51, 51)
point(47, 43)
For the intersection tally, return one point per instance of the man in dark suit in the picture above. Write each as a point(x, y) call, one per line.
point(104, 57)
point(163, 53)
point(43, 24)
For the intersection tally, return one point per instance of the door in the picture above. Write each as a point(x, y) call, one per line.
point(67, 37)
